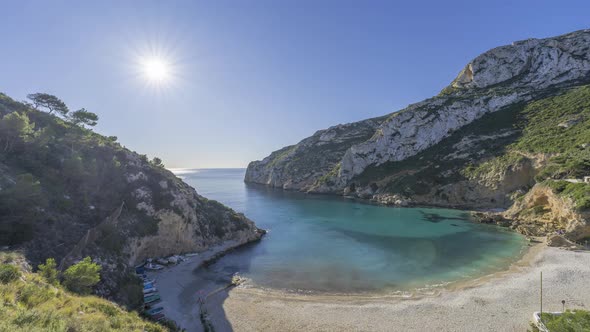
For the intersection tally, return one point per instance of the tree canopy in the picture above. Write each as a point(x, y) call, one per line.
point(50, 102)
point(82, 276)
point(157, 162)
point(14, 127)
point(83, 117)
point(49, 271)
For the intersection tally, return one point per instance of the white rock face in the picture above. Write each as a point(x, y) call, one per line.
point(415, 129)
point(299, 166)
point(495, 79)
point(537, 63)
point(331, 158)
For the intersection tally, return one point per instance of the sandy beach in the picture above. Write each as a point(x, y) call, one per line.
point(503, 301)
point(181, 289)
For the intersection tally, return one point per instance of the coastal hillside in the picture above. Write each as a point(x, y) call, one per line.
point(31, 303)
point(299, 166)
point(67, 192)
point(517, 117)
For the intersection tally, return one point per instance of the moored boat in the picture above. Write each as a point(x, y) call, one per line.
point(151, 298)
point(154, 267)
point(149, 292)
point(154, 311)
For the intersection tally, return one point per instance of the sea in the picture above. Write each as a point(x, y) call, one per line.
point(336, 245)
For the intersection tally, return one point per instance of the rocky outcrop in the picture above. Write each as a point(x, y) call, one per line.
point(541, 211)
point(164, 217)
point(300, 166)
point(494, 81)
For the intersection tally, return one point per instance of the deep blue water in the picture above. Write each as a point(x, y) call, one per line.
point(334, 244)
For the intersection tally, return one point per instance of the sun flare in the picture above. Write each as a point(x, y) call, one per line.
point(155, 70)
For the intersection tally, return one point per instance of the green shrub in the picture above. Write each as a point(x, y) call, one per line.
point(49, 271)
point(32, 304)
point(8, 273)
point(578, 192)
point(82, 276)
point(574, 321)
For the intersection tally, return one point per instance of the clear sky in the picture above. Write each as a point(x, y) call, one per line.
point(248, 77)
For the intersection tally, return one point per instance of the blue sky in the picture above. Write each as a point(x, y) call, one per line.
point(252, 76)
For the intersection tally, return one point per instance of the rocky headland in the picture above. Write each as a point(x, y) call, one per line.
point(67, 192)
point(515, 123)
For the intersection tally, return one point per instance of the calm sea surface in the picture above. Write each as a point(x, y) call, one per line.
point(333, 244)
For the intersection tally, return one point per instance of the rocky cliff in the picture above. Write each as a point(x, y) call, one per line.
point(67, 192)
point(300, 166)
point(542, 211)
point(514, 116)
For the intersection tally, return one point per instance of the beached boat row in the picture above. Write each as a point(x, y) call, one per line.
point(151, 297)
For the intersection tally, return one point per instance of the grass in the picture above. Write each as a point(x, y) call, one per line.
point(29, 303)
point(569, 321)
point(578, 192)
point(497, 165)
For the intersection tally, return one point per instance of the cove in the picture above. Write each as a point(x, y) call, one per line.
point(333, 244)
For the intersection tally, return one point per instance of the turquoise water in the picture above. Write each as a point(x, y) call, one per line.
point(333, 244)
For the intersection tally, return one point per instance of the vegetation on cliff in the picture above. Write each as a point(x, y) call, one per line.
point(555, 130)
point(67, 192)
point(504, 152)
point(515, 116)
point(29, 302)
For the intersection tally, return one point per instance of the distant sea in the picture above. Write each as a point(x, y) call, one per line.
point(338, 245)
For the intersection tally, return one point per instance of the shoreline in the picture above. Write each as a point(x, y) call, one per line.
point(371, 201)
point(186, 294)
point(245, 307)
point(502, 301)
point(524, 260)
point(181, 290)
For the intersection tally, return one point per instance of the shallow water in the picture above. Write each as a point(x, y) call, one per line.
point(333, 244)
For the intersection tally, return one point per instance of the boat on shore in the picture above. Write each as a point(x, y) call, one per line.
point(153, 267)
point(150, 291)
point(154, 311)
point(151, 298)
point(162, 261)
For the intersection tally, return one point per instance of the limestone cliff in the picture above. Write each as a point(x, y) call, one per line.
point(300, 166)
point(514, 116)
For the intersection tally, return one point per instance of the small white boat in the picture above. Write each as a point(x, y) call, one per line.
point(150, 291)
point(154, 267)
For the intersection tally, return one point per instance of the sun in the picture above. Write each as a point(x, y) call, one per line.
point(155, 69)
point(155, 65)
